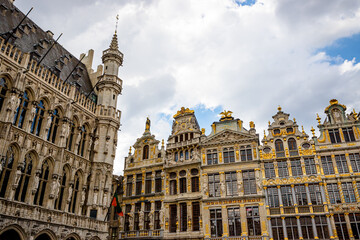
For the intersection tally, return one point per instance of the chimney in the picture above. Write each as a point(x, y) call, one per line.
point(49, 33)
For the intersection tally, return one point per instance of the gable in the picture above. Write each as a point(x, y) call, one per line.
point(229, 136)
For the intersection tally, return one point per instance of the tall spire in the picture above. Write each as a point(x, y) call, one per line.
point(114, 42)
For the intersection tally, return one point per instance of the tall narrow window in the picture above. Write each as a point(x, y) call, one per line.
point(355, 224)
point(196, 216)
point(158, 181)
point(341, 163)
point(146, 215)
point(83, 140)
point(183, 217)
point(138, 184)
point(279, 148)
point(249, 182)
point(214, 185)
point(300, 194)
point(137, 216)
point(38, 119)
point(231, 184)
point(7, 165)
point(211, 156)
point(273, 196)
point(173, 187)
point(293, 151)
point(310, 166)
point(127, 217)
point(315, 194)
point(55, 118)
point(334, 193)
point(60, 200)
point(21, 110)
point(3, 90)
point(216, 223)
point(234, 221)
point(43, 182)
point(148, 182)
point(24, 179)
point(348, 191)
point(70, 138)
point(277, 228)
point(287, 197)
point(283, 169)
point(269, 170)
point(129, 185)
point(291, 228)
point(182, 185)
point(355, 162)
point(173, 217)
point(334, 135)
point(195, 184)
point(322, 227)
point(296, 168)
point(157, 215)
point(306, 227)
point(348, 134)
point(229, 155)
point(74, 197)
point(245, 153)
point(253, 221)
point(327, 165)
point(146, 152)
point(341, 227)
point(187, 155)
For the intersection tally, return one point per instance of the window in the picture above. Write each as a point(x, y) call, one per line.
point(182, 186)
point(138, 184)
point(341, 228)
point(183, 217)
point(229, 155)
point(147, 210)
point(146, 152)
point(3, 89)
point(348, 134)
point(137, 216)
point(355, 162)
point(74, 196)
point(148, 182)
point(214, 185)
point(173, 188)
point(157, 215)
point(212, 157)
point(60, 200)
point(127, 217)
point(322, 227)
point(245, 153)
point(231, 184)
point(21, 110)
point(93, 213)
point(293, 151)
point(333, 192)
point(249, 182)
point(355, 224)
point(269, 170)
point(287, 197)
point(291, 228)
point(296, 168)
point(216, 223)
point(173, 217)
point(276, 131)
point(315, 194)
point(300, 195)
point(273, 196)
point(158, 181)
point(327, 165)
point(82, 142)
point(129, 185)
point(277, 228)
point(195, 184)
point(55, 118)
point(22, 177)
point(196, 216)
point(310, 166)
point(334, 135)
point(38, 118)
point(348, 191)
point(306, 227)
point(279, 148)
point(283, 169)
point(7, 167)
point(41, 184)
point(253, 221)
point(306, 146)
point(176, 156)
point(341, 163)
point(234, 221)
point(187, 154)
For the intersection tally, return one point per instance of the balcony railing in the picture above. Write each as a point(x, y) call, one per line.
point(142, 234)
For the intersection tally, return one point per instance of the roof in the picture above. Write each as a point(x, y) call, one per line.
point(30, 38)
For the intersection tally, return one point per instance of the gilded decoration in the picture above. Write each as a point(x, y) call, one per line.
point(226, 115)
point(182, 111)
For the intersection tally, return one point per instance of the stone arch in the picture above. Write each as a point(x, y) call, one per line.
point(31, 93)
point(12, 231)
point(45, 234)
point(95, 238)
point(72, 236)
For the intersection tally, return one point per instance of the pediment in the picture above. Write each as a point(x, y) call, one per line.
point(227, 136)
point(146, 140)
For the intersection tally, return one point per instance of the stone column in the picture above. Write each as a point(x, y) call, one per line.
point(239, 183)
point(222, 184)
point(299, 227)
point(270, 228)
point(284, 227)
point(190, 217)
point(314, 227)
point(224, 221)
point(331, 233)
point(243, 220)
point(206, 221)
point(348, 225)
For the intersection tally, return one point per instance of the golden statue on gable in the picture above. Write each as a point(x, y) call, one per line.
point(147, 125)
point(226, 115)
point(183, 110)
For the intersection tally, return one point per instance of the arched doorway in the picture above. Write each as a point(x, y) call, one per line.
point(43, 236)
point(71, 238)
point(10, 235)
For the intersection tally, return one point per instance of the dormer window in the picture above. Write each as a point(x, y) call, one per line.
point(289, 130)
point(146, 152)
point(279, 147)
point(282, 123)
point(276, 131)
point(334, 135)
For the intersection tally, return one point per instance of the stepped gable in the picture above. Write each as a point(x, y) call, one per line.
point(30, 38)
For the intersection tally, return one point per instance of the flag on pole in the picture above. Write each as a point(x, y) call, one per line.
point(115, 203)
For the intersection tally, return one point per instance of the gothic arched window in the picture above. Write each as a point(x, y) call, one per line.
point(82, 143)
point(38, 119)
point(293, 151)
point(3, 89)
point(23, 178)
point(43, 182)
point(146, 152)
point(279, 148)
point(59, 201)
point(21, 110)
point(55, 118)
point(7, 164)
point(74, 196)
point(70, 139)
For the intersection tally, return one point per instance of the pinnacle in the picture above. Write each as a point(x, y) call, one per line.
point(114, 42)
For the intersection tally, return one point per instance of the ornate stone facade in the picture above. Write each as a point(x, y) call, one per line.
point(57, 136)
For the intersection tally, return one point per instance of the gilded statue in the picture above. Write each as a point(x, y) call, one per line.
point(226, 114)
point(147, 125)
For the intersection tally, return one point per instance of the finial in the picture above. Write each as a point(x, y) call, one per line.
point(294, 120)
point(203, 131)
point(355, 115)
point(302, 127)
point(252, 124)
point(269, 123)
point(130, 150)
point(318, 118)
point(264, 135)
point(117, 20)
point(313, 131)
point(162, 143)
point(279, 108)
point(226, 115)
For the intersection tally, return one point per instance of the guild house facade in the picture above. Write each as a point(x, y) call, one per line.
point(58, 134)
point(230, 184)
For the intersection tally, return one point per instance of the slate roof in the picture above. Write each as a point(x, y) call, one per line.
point(32, 39)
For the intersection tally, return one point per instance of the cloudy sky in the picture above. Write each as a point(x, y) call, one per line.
point(209, 55)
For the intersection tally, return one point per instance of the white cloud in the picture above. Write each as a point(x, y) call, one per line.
point(215, 53)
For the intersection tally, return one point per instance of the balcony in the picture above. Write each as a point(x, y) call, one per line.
point(156, 234)
point(183, 143)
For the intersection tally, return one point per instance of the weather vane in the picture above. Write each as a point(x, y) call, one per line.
point(117, 20)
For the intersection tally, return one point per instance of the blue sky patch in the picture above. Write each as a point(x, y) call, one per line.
point(245, 2)
point(207, 116)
